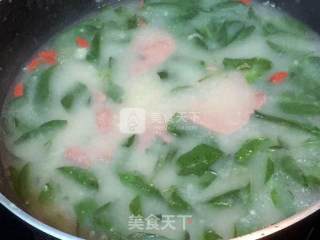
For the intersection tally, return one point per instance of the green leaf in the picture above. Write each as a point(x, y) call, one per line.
point(47, 193)
point(14, 176)
point(112, 89)
point(22, 182)
point(164, 75)
point(221, 34)
point(283, 200)
point(284, 25)
point(231, 31)
point(180, 88)
point(179, 126)
point(102, 220)
point(222, 5)
point(80, 176)
point(288, 123)
point(169, 154)
point(299, 104)
point(313, 180)
point(135, 206)
point(305, 75)
point(253, 68)
point(42, 88)
point(138, 183)
point(146, 236)
point(290, 167)
point(228, 199)
point(249, 149)
point(198, 160)
point(269, 170)
point(89, 214)
point(253, 15)
point(210, 234)
point(48, 130)
point(175, 201)
point(246, 225)
point(132, 22)
point(129, 141)
point(282, 48)
point(84, 211)
point(93, 55)
point(14, 120)
point(299, 107)
point(115, 92)
point(207, 178)
point(271, 29)
point(186, 236)
point(79, 93)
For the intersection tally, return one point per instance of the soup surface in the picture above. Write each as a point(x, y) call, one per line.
point(169, 120)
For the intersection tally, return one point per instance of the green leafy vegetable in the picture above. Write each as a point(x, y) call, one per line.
point(207, 178)
point(187, 10)
point(222, 5)
point(47, 193)
point(21, 181)
point(137, 182)
point(246, 225)
point(210, 234)
point(299, 105)
point(12, 119)
point(305, 75)
point(165, 158)
point(282, 48)
point(112, 90)
point(198, 160)
point(254, 68)
point(228, 199)
point(89, 214)
point(164, 75)
point(115, 92)
point(102, 220)
point(222, 34)
point(81, 176)
point(284, 25)
point(94, 51)
point(77, 94)
point(234, 30)
point(290, 167)
point(288, 123)
point(283, 200)
point(14, 176)
point(84, 211)
point(249, 149)
point(175, 201)
point(179, 126)
point(130, 141)
point(132, 22)
point(42, 88)
point(135, 206)
point(146, 236)
point(47, 130)
point(186, 236)
point(180, 88)
point(269, 170)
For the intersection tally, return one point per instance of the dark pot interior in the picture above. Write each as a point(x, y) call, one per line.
point(26, 24)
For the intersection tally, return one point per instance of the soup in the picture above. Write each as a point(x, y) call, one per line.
point(168, 120)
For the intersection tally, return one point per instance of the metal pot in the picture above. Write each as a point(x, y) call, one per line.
point(25, 24)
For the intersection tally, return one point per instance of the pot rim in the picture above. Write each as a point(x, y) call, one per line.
point(265, 232)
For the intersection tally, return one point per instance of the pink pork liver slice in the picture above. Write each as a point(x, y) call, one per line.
point(150, 48)
point(85, 156)
point(104, 115)
point(229, 106)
